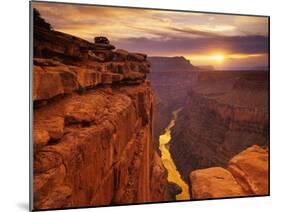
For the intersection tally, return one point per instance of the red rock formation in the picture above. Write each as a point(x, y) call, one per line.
point(92, 126)
point(250, 169)
point(171, 78)
point(224, 114)
point(215, 182)
point(246, 175)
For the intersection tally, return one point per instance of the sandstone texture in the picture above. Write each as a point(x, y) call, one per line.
point(215, 182)
point(250, 169)
point(245, 175)
point(92, 126)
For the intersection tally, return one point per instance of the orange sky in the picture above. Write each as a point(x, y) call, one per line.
point(224, 41)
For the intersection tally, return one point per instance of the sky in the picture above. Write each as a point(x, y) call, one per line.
point(222, 41)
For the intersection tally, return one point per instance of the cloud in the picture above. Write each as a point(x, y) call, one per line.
point(189, 45)
point(157, 32)
point(194, 31)
point(125, 22)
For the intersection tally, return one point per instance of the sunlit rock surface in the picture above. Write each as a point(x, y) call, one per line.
point(215, 182)
point(246, 175)
point(250, 169)
point(93, 115)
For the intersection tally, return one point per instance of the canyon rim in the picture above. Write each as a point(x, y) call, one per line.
point(146, 106)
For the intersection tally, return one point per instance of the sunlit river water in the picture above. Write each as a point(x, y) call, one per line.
point(173, 174)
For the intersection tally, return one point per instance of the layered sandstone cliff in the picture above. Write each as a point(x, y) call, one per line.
point(92, 126)
point(246, 175)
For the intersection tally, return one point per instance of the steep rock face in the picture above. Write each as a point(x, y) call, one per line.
point(92, 127)
point(224, 114)
point(171, 78)
point(171, 64)
point(246, 175)
point(158, 184)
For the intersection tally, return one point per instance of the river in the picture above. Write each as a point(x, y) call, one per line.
point(173, 174)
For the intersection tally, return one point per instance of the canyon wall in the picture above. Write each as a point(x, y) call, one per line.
point(225, 112)
point(92, 124)
point(171, 79)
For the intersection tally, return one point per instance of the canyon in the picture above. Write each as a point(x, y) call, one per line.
point(113, 127)
point(173, 174)
point(223, 113)
point(92, 124)
point(171, 79)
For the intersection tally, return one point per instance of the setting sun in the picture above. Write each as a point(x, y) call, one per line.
point(207, 59)
point(218, 57)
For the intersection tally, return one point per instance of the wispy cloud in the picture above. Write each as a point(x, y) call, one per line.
point(161, 32)
point(180, 45)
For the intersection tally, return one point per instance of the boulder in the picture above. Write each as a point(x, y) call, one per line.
point(215, 182)
point(101, 39)
point(250, 169)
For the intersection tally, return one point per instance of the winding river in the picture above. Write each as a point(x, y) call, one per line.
point(173, 174)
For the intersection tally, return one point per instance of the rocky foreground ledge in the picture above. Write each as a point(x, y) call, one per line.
point(92, 124)
point(245, 175)
point(59, 69)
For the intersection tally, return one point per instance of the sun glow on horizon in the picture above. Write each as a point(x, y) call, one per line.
point(220, 58)
point(212, 58)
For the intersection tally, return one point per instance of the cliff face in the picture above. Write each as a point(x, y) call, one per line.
point(171, 79)
point(224, 114)
point(246, 174)
point(171, 64)
point(92, 126)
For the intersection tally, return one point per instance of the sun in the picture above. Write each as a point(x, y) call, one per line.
point(214, 58)
point(218, 57)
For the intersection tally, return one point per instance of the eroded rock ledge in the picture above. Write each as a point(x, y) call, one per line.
point(245, 175)
point(92, 127)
